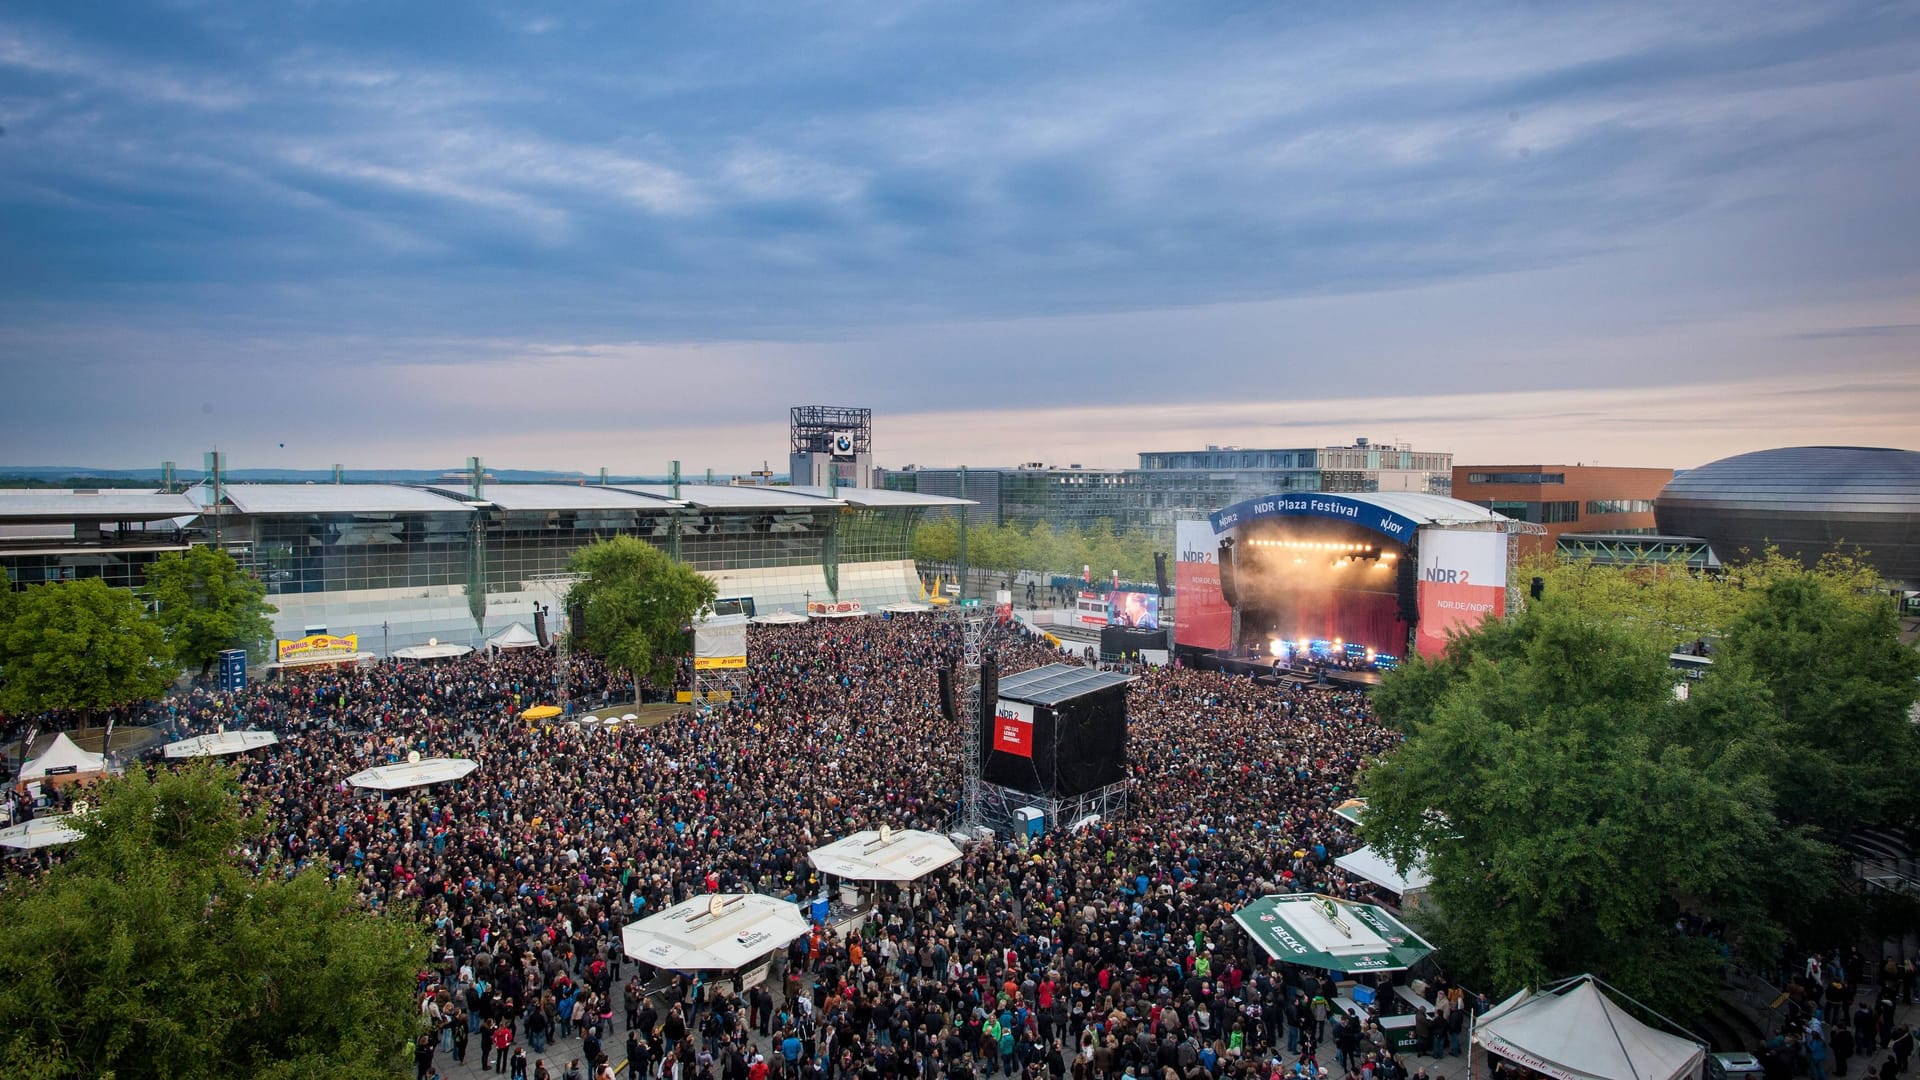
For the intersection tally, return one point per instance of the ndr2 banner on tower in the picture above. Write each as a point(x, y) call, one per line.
point(1013, 728)
point(1201, 615)
point(1463, 580)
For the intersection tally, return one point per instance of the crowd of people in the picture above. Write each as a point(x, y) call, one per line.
point(1106, 952)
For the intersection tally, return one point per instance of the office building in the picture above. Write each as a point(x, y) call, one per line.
point(1585, 499)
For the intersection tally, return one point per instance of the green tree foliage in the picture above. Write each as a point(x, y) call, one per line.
point(81, 646)
point(639, 604)
point(151, 951)
point(1570, 807)
point(1840, 685)
point(1682, 605)
point(1007, 548)
point(205, 603)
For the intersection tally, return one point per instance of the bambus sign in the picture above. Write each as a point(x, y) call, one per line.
point(318, 645)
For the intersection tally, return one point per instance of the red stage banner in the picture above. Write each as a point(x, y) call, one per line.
point(1013, 728)
point(1201, 616)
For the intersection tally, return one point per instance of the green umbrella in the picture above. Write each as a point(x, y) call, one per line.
point(1337, 935)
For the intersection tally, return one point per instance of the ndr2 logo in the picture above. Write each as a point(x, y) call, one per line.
point(1446, 577)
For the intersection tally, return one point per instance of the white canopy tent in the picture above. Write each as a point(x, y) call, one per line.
point(716, 932)
point(1377, 868)
point(907, 607)
point(516, 636)
point(219, 743)
point(414, 772)
point(1572, 1031)
point(432, 650)
point(779, 618)
point(885, 855)
point(62, 758)
point(39, 833)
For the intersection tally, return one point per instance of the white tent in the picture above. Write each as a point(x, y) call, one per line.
point(716, 932)
point(779, 618)
point(39, 833)
point(906, 855)
point(222, 742)
point(907, 607)
point(1377, 868)
point(1572, 1031)
point(63, 757)
point(516, 636)
point(419, 772)
point(432, 650)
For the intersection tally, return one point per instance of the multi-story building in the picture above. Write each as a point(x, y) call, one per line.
point(1565, 498)
point(1172, 484)
point(1066, 498)
point(830, 446)
point(1169, 485)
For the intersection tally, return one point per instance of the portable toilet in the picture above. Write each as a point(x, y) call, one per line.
point(1029, 821)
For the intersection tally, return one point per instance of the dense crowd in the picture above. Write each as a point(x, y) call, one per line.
point(1109, 952)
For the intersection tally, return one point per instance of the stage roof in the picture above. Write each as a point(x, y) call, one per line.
point(113, 504)
point(1397, 514)
point(340, 499)
point(559, 497)
point(1055, 683)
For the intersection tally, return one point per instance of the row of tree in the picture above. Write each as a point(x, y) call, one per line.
point(82, 646)
point(1577, 814)
point(1007, 548)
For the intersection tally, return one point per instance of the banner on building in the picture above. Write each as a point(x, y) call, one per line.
point(1202, 618)
point(1013, 728)
point(834, 607)
point(1463, 580)
point(315, 646)
point(1003, 605)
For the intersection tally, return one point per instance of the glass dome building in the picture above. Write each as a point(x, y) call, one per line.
point(1805, 500)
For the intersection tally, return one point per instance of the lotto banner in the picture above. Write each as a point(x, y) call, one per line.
point(1463, 580)
point(1201, 617)
point(1013, 728)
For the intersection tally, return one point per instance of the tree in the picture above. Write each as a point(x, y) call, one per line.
point(1684, 605)
point(1840, 684)
point(639, 605)
point(206, 603)
point(1570, 808)
point(81, 646)
point(152, 951)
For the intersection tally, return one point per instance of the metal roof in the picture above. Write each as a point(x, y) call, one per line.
point(340, 499)
point(881, 497)
point(732, 497)
point(1427, 508)
point(1056, 683)
point(558, 497)
point(108, 504)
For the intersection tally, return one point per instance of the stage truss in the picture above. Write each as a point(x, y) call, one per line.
point(973, 630)
point(997, 805)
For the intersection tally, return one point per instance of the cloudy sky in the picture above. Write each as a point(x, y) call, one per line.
point(585, 235)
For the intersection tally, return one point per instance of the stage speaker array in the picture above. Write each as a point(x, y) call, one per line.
point(948, 710)
point(1160, 571)
point(1228, 589)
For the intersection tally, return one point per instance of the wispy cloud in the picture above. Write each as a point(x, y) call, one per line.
point(1084, 206)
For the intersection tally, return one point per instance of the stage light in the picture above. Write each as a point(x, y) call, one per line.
point(1337, 643)
point(1369, 656)
point(1297, 560)
point(1276, 646)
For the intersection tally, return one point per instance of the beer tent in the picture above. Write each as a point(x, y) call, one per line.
point(1572, 1031)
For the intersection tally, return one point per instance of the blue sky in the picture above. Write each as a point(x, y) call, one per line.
point(596, 234)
